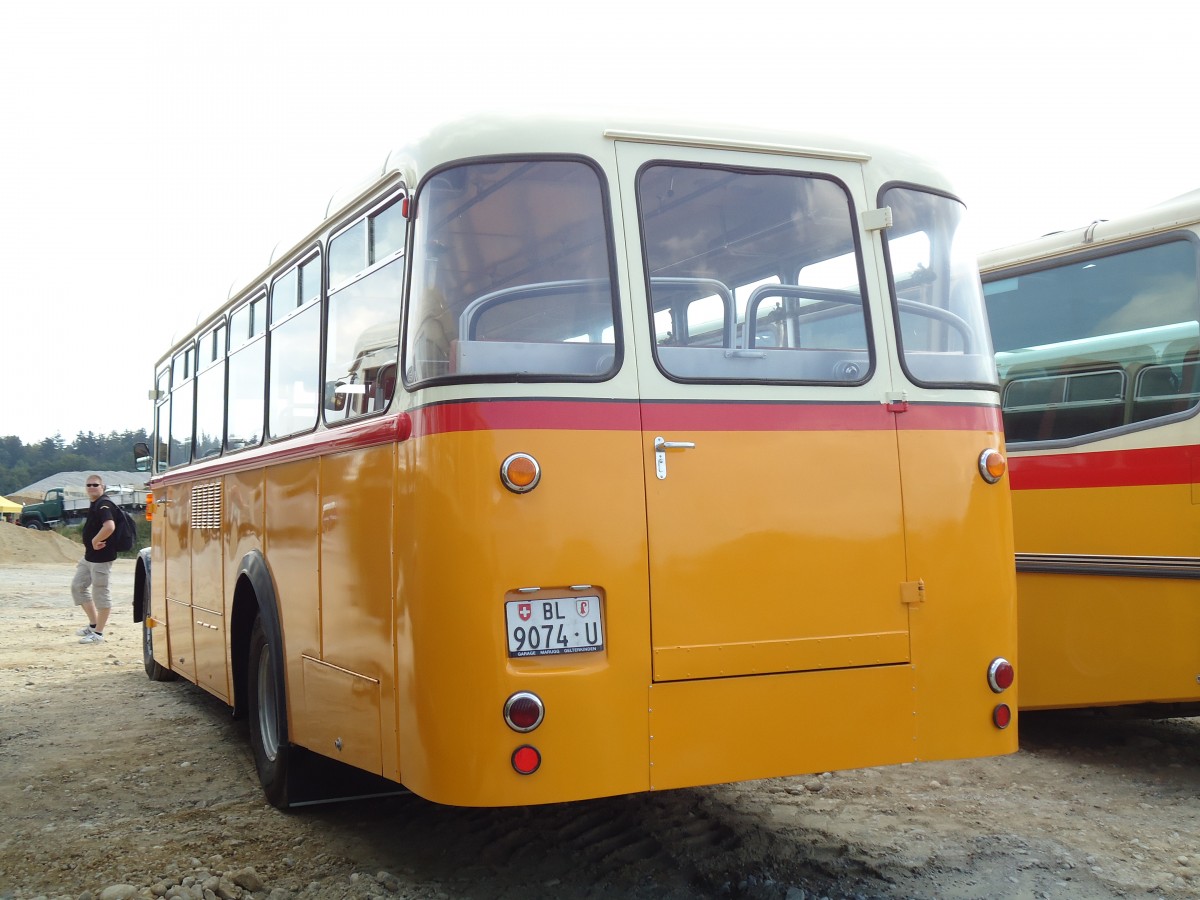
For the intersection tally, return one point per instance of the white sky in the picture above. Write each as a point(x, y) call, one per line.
point(156, 152)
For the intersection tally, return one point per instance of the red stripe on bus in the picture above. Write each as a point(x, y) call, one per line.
point(596, 415)
point(474, 415)
point(950, 417)
point(355, 436)
point(556, 415)
point(1110, 468)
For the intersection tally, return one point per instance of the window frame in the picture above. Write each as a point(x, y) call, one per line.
point(416, 259)
point(397, 196)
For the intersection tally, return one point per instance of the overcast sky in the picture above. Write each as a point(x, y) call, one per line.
point(156, 152)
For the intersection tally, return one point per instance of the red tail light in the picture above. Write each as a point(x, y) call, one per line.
point(524, 711)
point(1000, 675)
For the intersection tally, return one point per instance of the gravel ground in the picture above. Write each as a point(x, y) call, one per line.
point(114, 787)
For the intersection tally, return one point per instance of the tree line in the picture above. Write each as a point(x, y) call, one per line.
point(23, 464)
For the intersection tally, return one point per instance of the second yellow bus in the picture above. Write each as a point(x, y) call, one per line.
point(1097, 332)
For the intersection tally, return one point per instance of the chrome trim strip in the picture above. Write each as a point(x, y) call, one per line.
point(1186, 567)
point(685, 140)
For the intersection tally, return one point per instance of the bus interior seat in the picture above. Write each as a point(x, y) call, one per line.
point(1169, 386)
point(385, 387)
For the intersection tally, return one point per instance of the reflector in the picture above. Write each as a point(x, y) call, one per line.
point(1001, 716)
point(526, 759)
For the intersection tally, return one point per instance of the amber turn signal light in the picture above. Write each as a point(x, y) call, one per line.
point(520, 473)
point(992, 465)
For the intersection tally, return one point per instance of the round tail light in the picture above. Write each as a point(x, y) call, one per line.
point(524, 711)
point(1000, 675)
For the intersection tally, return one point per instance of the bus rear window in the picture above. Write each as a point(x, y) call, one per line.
point(511, 275)
point(727, 252)
point(940, 321)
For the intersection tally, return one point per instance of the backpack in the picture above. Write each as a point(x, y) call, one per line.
point(122, 539)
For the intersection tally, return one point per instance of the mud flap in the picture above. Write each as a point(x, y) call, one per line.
point(314, 779)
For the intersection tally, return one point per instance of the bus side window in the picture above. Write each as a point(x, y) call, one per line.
point(1171, 386)
point(1051, 405)
point(362, 334)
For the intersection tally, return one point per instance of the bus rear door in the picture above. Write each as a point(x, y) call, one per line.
point(775, 524)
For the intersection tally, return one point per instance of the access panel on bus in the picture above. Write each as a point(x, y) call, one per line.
point(775, 524)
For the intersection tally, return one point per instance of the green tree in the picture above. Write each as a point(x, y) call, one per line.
point(23, 464)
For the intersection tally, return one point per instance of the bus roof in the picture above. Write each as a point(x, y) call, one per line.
point(482, 136)
point(1177, 212)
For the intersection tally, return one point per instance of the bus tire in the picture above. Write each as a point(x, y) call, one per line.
point(267, 712)
point(154, 670)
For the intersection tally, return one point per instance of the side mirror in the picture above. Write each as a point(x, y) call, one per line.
point(141, 457)
point(335, 399)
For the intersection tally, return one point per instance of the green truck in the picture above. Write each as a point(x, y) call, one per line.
point(60, 508)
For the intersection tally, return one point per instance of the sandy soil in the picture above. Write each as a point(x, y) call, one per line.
point(115, 787)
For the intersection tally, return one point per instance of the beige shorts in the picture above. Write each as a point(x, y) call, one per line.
point(91, 584)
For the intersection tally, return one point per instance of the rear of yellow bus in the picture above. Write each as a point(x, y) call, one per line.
point(705, 479)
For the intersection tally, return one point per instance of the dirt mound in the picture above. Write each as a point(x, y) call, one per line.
point(24, 546)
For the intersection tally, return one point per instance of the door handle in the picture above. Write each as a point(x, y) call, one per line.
point(661, 446)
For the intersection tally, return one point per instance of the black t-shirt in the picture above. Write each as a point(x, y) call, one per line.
point(102, 510)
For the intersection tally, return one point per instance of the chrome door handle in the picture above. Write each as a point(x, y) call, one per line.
point(661, 446)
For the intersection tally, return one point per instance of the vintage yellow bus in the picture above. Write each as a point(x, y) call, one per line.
point(1097, 336)
point(568, 459)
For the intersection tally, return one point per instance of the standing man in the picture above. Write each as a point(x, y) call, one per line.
point(90, 587)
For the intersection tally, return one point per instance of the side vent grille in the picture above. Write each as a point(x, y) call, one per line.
point(206, 506)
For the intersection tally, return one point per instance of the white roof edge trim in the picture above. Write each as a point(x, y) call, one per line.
point(1177, 214)
point(682, 140)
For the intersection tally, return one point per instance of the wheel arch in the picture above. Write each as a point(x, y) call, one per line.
point(254, 597)
point(141, 585)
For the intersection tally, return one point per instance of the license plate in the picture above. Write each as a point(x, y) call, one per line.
point(554, 625)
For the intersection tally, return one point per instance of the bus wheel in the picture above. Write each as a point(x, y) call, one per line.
point(154, 671)
point(267, 715)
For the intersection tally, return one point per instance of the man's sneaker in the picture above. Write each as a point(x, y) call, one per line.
point(85, 631)
point(92, 637)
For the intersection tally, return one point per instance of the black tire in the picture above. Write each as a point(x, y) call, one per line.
point(267, 709)
point(154, 671)
point(35, 525)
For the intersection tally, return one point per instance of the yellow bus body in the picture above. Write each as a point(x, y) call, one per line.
point(1106, 487)
point(814, 578)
